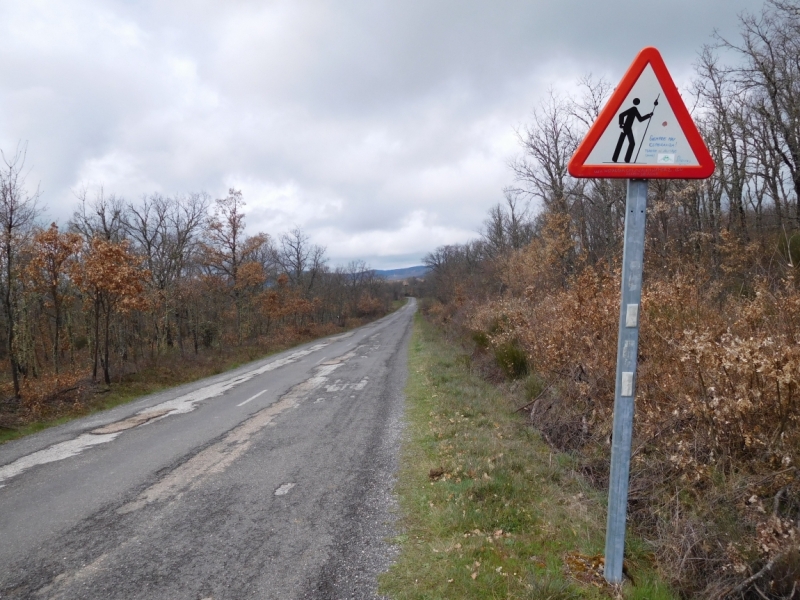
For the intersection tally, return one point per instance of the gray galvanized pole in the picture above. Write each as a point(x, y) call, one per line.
point(627, 352)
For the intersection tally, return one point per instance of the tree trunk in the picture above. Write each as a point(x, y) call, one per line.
point(179, 327)
point(96, 337)
point(71, 340)
point(9, 308)
point(106, 372)
point(237, 303)
point(57, 310)
point(796, 182)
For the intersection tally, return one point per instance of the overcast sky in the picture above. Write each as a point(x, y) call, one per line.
point(383, 129)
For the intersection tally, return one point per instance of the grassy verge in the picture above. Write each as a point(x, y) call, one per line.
point(399, 303)
point(488, 511)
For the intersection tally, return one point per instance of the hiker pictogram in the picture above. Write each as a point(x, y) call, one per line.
point(629, 141)
point(626, 121)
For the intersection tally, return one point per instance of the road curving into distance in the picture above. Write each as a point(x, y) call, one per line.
point(270, 481)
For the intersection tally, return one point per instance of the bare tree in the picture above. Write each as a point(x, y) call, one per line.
point(165, 231)
point(547, 146)
point(302, 261)
point(727, 125)
point(357, 274)
point(495, 232)
point(103, 216)
point(18, 211)
point(456, 268)
point(227, 248)
point(770, 74)
point(595, 93)
point(509, 226)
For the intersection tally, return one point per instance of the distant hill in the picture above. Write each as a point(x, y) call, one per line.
point(400, 274)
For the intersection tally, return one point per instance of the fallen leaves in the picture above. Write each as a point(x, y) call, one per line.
point(436, 473)
point(586, 569)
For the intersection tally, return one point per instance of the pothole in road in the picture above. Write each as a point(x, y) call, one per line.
point(284, 489)
point(130, 423)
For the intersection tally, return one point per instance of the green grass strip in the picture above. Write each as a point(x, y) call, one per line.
point(487, 509)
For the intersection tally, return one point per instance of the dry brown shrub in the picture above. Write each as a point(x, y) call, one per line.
point(439, 312)
point(717, 396)
point(38, 394)
point(369, 305)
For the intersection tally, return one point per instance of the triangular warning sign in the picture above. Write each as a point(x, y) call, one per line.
point(644, 131)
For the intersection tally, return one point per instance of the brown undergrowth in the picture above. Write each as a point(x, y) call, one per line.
point(714, 483)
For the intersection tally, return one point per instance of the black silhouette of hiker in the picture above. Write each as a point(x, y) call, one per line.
point(626, 123)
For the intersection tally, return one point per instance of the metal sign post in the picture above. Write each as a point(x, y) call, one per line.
point(627, 352)
point(671, 147)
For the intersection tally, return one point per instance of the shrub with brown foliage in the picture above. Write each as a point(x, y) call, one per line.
point(716, 406)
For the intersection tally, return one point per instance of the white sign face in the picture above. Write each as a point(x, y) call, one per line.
point(645, 131)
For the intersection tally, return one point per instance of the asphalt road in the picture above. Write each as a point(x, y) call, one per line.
point(270, 481)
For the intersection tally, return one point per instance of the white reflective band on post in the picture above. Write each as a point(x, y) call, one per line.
point(627, 384)
point(632, 316)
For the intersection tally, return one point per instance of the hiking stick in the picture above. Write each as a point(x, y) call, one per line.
point(646, 128)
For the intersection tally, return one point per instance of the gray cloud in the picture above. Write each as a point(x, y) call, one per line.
point(383, 128)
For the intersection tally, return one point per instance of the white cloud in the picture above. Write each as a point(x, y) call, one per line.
point(418, 229)
point(382, 128)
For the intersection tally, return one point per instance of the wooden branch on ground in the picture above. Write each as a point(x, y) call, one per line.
point(532, 402)
point(755, 577)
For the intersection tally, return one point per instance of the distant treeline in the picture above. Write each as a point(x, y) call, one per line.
point(123, 283)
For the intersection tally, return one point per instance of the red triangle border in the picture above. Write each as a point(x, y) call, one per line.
point(706, 166)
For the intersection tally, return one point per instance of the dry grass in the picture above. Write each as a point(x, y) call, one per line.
point(488, 509)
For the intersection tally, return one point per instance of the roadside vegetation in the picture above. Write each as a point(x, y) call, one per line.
point(535, 303)
point(489, 510)
point(132, 297)
point(169, 371)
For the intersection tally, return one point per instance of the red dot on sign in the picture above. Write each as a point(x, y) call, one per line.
point(664, 124)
